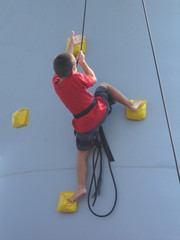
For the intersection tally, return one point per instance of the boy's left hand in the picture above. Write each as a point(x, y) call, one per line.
point(75, 40)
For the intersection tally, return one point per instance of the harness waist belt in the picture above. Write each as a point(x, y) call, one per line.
point(86, 111)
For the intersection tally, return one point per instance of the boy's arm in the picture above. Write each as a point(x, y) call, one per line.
point(87, 70)
point(70, 48)
point(75, 40)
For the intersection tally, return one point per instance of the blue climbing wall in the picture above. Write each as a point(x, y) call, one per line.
point(39, 161)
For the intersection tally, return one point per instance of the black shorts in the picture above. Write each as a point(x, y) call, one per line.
point(84, 141)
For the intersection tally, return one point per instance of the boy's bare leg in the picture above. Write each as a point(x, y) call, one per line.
point(119, 97)
point(81, 175)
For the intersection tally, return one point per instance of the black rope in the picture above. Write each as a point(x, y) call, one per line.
point(84, 18)
point(161, 89)
point(98, 153)
point(97, 156)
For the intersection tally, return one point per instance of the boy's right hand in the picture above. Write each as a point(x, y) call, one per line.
point(87, 70)
point(80, 57)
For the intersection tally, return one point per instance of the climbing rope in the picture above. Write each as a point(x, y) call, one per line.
point(161, 89)
point(98, 153)
point(84, 18)
point(100, 141)
point(83, 26)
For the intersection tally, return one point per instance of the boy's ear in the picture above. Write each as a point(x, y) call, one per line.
point(73, 70)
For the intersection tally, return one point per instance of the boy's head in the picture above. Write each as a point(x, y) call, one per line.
point(64, 64)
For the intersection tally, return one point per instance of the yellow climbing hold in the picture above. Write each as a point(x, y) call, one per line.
point(64, 205)
point(140, 113)
point(20, 118)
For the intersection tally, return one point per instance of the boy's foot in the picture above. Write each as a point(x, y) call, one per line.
point(77, 195)
point(135, 105)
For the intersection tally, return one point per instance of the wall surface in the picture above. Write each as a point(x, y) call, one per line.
point(38, 161)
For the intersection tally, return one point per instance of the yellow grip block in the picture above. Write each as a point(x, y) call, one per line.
point(64, 205)
point(77, 48)
point(140, 113)
point(20, 118)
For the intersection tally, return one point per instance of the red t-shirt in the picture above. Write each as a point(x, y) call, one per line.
point(73, 93)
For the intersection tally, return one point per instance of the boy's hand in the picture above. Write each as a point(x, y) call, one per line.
point(80, 57)
point(75, 40)
point(87, 70)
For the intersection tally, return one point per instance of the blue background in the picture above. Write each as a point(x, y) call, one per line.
point(37, 162)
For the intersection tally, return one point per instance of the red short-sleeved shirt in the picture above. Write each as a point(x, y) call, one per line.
point(73, 93)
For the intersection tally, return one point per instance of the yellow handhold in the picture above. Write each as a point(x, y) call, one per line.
point(140, 113)
point(64, 205)
point(77, 48)
point(20, 118)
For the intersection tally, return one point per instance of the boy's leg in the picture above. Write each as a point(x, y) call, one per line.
point(81, 175)
point(119, 97)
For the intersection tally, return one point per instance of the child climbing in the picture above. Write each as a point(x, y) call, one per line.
point(89, 111)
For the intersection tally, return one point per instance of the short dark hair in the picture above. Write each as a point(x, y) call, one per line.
point(63, 64)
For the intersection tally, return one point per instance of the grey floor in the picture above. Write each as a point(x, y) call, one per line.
point(39, 161)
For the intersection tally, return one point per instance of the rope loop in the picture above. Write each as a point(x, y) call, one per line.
point(96, 181)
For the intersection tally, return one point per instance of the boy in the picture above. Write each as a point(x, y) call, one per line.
point(89, 111)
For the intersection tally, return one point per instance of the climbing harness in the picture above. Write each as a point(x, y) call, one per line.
point(161, 89)
point(98, 142)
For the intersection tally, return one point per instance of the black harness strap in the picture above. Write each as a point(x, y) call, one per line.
point(86, 111)
point(106, 145)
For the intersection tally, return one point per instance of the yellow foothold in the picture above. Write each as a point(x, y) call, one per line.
point(77, 48)
point(140, 113)
point(64, 205)
point(20, 118)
